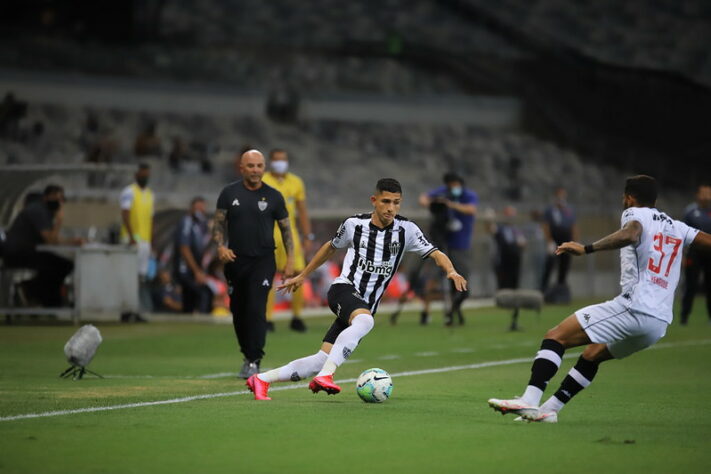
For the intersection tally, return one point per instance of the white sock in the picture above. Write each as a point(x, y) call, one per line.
point(552, 404)
point(532, 395)
point(346, 342)
point(296, 369)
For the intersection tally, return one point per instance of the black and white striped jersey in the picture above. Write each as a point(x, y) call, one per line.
point(374, 254)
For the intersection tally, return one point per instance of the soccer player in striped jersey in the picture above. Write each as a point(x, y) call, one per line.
point(650, 263)
point(376, 243)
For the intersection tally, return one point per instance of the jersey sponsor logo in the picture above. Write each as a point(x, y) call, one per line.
point(422, 239)
point(265, 282)
point(662, 217)
point(235, 202)
point(262, 205)
point(370, 267)
point(347, 352)
point(586, 317)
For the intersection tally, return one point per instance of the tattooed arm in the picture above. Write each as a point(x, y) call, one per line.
point(288, 240)
point(219, 233)
point(627, 235)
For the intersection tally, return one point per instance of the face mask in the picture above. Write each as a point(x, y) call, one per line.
point(456, 192)
point(280, 167)
point(142, 182)
point(52, 205)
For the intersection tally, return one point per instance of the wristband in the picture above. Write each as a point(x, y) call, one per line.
point(589, 248)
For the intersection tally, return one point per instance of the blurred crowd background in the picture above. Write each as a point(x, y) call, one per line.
point(520, 98)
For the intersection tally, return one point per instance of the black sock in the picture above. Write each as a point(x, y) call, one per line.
point(579, 377)
point(546, 363)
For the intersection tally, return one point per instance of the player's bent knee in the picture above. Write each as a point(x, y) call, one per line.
point(597, 353)
point(360, 311)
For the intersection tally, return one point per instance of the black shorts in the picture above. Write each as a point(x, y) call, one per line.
point(343, 299)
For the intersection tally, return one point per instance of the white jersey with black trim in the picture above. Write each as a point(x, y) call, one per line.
point(649, 271)
point(374, 254)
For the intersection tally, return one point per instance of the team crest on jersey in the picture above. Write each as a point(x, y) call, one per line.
point(394, 247)
point(262, 205)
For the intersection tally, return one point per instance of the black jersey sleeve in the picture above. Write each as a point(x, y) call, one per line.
point(280, 211)
point(222, 200)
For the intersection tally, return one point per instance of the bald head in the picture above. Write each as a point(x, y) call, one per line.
point(251, 167)
point(253, 153)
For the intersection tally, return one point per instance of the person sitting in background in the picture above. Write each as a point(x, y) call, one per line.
point(147, 142)
point(166, 295)
point(40, 223)
point(191, 242)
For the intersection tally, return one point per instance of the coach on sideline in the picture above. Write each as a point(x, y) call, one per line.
point(245, 215)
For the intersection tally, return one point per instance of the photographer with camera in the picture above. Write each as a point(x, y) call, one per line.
point(453, 209)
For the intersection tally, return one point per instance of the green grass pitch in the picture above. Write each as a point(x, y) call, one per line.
point(649, 413)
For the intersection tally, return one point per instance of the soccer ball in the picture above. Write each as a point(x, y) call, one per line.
point(374, 386)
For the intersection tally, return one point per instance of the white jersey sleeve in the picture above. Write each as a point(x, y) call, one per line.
point(344, 234)
point(689, 234)
point(126, 198)
point(634, 214)
point(416, 241)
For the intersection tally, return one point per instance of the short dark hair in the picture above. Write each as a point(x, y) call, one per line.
point(274, 151)
point(388, 184)
point(196, 199)
point(452, 177)
point(643, 188)
point(51, 189)
point(143, 166)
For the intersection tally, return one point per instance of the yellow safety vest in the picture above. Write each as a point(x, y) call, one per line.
point(140, 215)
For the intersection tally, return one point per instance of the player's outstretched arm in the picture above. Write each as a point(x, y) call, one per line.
point(627, 235)
point(443, 262)
point(702, 241)
point(323, 254)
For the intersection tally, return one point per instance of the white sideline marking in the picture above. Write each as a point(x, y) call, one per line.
point(207, 396)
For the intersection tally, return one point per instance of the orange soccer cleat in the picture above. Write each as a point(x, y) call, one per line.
point(259, 387)
point(325, 383)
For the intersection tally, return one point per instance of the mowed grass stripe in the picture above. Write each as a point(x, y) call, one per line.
point(479, 365)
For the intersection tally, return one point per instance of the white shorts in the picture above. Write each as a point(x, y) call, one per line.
point(625, 331)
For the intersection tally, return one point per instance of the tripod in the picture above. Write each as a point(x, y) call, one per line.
point(77, 373)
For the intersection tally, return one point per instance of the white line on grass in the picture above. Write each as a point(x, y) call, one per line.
point(389, 357)
point(207, 396)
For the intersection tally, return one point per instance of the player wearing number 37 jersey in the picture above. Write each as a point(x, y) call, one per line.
point(651, 246)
